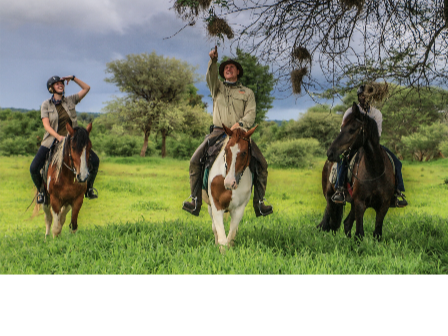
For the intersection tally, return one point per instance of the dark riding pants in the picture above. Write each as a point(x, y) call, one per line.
point(39, 162)
point(258, 166)
point(343, 169)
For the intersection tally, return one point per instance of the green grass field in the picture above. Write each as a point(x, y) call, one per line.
point(137, 226)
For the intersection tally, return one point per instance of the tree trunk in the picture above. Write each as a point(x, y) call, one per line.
point(145, 143)
point(163, 143)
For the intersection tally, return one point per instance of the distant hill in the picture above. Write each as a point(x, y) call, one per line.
point(89, 114)
point(278, 122)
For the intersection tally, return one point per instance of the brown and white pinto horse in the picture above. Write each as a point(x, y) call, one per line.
point(67, 179)
point(230, 184)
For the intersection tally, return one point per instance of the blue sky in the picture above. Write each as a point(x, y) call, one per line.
point(43, 38)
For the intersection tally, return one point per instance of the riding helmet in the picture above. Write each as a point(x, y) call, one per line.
point(51, 81)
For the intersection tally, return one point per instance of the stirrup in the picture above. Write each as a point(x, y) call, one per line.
point(338, 192)
point(42, 194)
point(195, 199)
point(93, 191)
point(260, 202)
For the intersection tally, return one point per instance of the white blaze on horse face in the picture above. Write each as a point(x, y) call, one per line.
point(230, 180)
point(84, 171)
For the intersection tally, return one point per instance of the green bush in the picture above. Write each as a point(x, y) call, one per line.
point(124, 145)
point(293, 153)
point(444, 148)
point(183, 147)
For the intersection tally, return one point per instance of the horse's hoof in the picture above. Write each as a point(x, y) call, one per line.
point(73, 231)
point(223, 249)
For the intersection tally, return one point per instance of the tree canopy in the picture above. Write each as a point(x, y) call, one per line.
point(347, 41)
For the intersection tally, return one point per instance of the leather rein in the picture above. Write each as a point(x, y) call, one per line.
point(72, 168)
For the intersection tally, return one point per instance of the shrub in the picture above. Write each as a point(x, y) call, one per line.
point(124, 145)
point(444, 148)
point(183, 147)
point(296, 153)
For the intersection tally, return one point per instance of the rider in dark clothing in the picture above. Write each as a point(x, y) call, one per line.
point(56, 112)
point(342, 167)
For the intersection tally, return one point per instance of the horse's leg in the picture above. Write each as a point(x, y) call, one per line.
point(218, 221)
point(380, 214)
point(48, 219)
point(75, 211)
point(325, 223)
point(236, 216)
point(348, 222)
point(360, 208)
point(56, 211)
point(64, 211)
point(213, 225)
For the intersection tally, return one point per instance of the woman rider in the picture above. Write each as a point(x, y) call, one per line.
point(375, 114)
point(55, 113)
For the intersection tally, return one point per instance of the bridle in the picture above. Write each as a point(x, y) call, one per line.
point(239, 176)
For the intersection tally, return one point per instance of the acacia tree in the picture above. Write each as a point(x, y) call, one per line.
point(350, 41)
point(151, 82)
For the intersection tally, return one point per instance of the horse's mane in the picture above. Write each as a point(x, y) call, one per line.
point(239, 133)
point(81, 138)
point(58, 157)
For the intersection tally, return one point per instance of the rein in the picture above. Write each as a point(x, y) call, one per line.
point(72, 168)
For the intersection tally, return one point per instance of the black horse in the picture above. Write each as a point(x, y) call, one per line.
point(372, 178)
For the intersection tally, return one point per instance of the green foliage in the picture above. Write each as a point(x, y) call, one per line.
point(20, 132)
point(182, 146)
point(444, 148)
point(425, 143)
point(296, 153)
point(124, 145)
point(259, 79)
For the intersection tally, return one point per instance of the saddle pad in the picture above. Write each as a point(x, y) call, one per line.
point(334, 168)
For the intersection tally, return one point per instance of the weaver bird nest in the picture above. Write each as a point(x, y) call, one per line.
point(189, 11)
point(353, 3)
point(376, 92)
point(219, 27)
point(297, 79)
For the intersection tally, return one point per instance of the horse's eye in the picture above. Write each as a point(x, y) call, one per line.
point(243, 154)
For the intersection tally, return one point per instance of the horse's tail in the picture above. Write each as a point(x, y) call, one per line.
point(36, 206)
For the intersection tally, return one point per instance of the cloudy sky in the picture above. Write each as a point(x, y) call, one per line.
point(42, 38)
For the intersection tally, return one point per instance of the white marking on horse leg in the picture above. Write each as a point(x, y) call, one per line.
point(230, 180)
point(84, 171)
point(48, 183)
point(236, 216)
point(218, 221)
point(48, 219)
point(213, 225)
point(57, 228)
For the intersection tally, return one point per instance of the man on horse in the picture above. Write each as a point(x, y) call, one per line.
point(372, 112)
point(233, 106)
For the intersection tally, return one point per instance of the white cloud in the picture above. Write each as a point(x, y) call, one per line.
point(96, 16)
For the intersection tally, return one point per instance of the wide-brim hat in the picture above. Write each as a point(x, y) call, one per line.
point(230, 61)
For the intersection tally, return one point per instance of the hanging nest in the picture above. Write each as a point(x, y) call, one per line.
point(353, 3)
point(189, 10)
point(297, 79)
point(376, 92)
point(219, 27)
point(301, 54)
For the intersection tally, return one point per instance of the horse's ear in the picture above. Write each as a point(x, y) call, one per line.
point(70, 130)
point(89, 128)
point(251, 131)
point(356, 111)
point(227, 130)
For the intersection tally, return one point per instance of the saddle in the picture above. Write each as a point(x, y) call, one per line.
point(334, 168)
point(215, 146)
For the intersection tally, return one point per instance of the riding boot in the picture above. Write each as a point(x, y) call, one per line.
point(194, 207)
point(260, 168)
point(94, 162)
point(339, 196)
point(37, 179)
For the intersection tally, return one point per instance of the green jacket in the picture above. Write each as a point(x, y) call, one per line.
point(231, 104)
point(48, 110)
